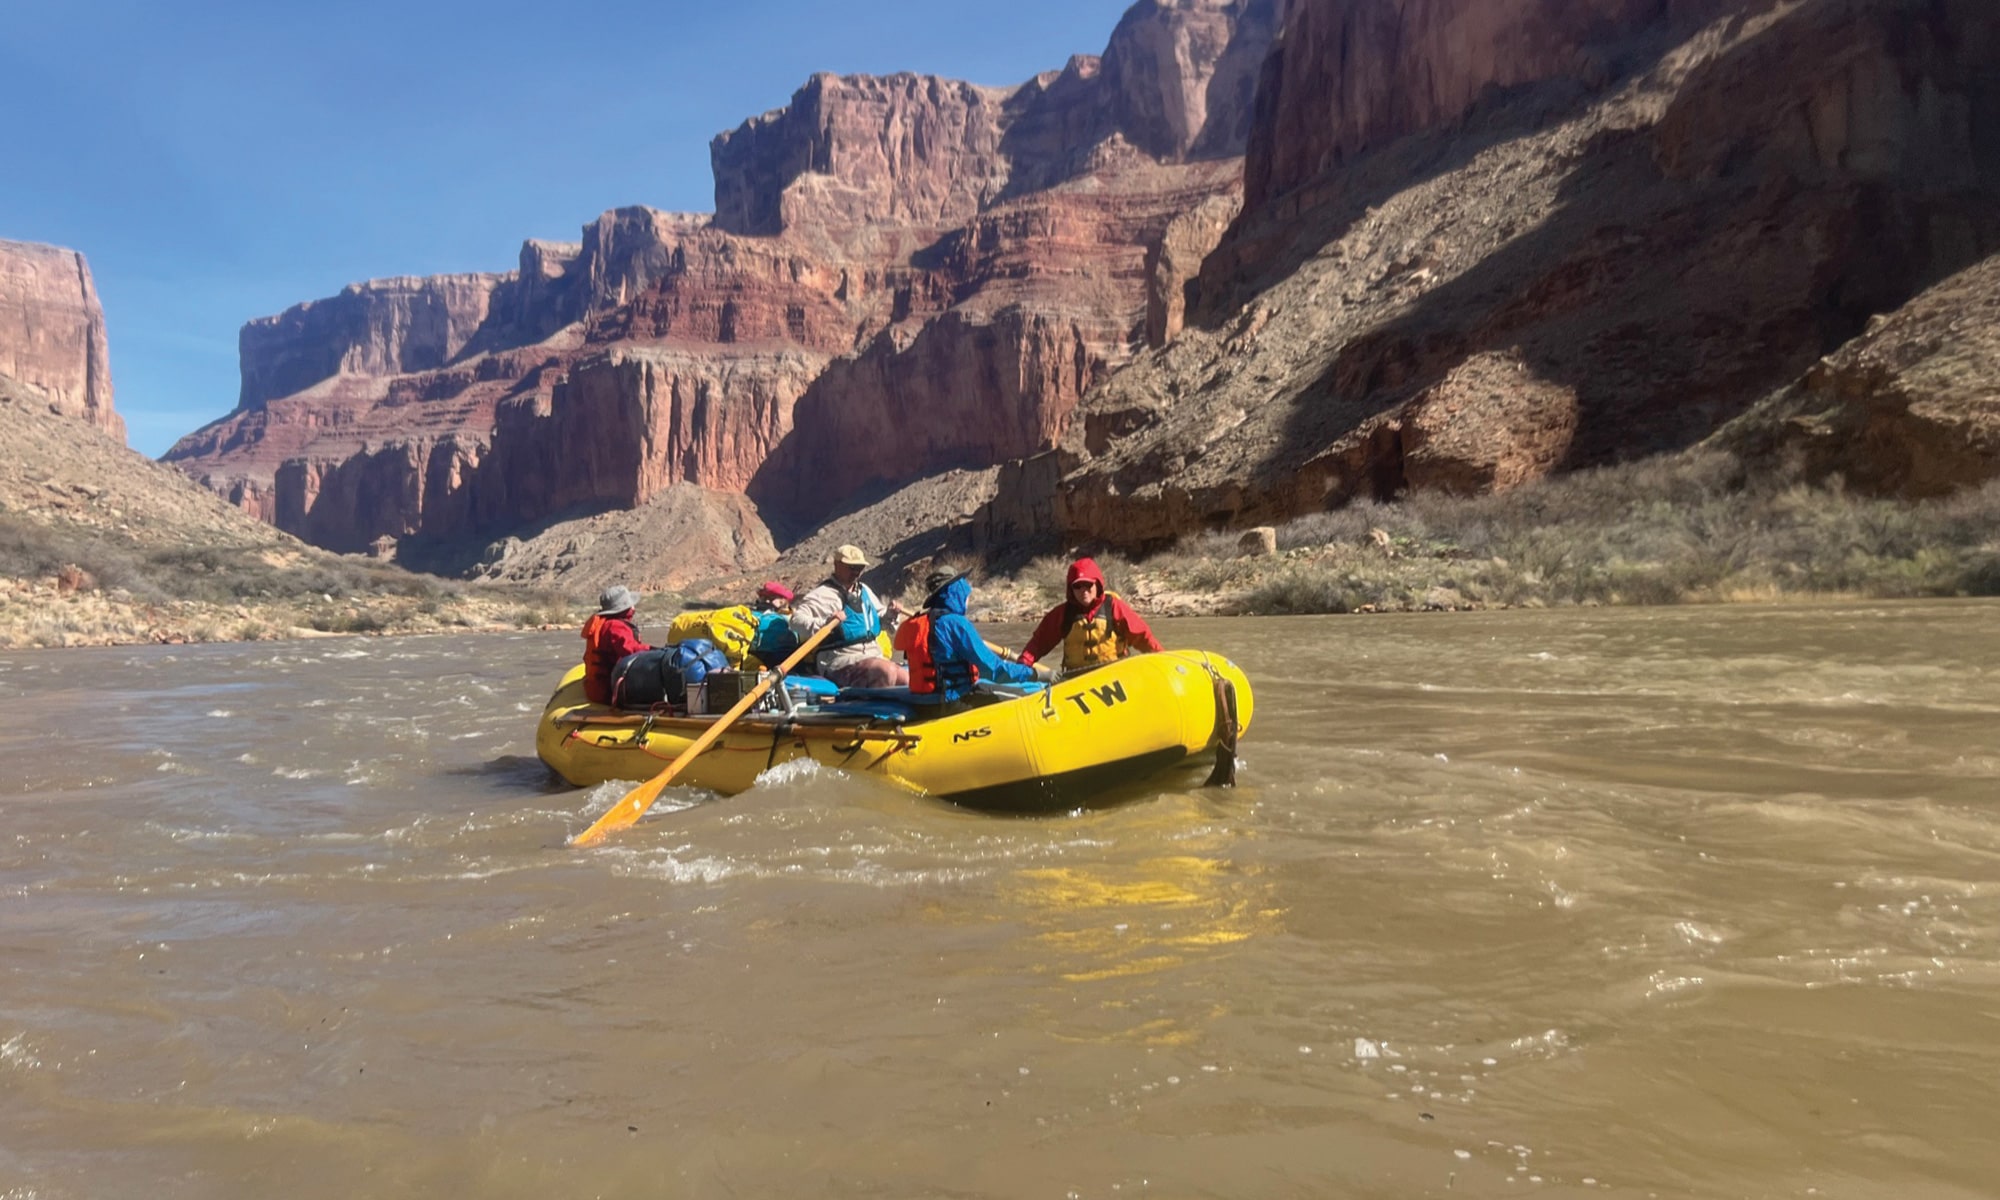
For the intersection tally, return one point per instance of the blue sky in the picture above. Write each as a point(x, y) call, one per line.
point(220, 161)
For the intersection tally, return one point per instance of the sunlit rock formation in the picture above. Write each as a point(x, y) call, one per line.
point(903, 274)
point(52, 332)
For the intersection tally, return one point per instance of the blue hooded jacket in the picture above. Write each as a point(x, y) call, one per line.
point(956, 647)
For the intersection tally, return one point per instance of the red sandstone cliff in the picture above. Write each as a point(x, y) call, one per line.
point(935, 269)
point(1485, 240)
point(52, 332)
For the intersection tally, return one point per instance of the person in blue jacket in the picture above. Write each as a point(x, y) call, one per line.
point(947, 656)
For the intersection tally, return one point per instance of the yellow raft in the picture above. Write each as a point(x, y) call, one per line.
point(1071, 745)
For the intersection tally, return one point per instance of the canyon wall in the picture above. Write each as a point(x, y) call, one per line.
point(1593, 231)
point(1473, 242)
point(902, 274)
point(1910, 408)
point(52, 332)
point(854, 151)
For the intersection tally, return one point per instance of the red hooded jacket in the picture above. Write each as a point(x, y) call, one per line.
point(605, 641)
point(1111, 617)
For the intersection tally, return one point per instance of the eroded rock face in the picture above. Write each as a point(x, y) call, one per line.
point(637, 420)
point(1182, 77)
point(52, 332)
point(851, 151)
point(933, 268)
point(1490, 425)
point(683, 534)
point(1911, 408)
point(1175, 260)
point(1355, 75)
point(964, 392)
point(1611, 261)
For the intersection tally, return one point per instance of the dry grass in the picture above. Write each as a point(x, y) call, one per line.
point(1689, 528)
point(62, 584)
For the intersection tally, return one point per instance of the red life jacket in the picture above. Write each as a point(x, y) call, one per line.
point(605, 641)
point(913, 638)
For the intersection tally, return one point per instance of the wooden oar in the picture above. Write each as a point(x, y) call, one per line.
point(639, 799)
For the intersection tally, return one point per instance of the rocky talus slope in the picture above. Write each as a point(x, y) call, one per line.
point(666, 544)
point(101, 545)
point(1910, 408)
point(1488, 240)
point(52, 332)
point(903, 275)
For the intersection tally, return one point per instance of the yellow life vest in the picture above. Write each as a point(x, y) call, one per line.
point(731, 629)
point(1090, 642)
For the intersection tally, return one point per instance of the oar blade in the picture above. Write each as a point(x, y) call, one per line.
point(625, 813)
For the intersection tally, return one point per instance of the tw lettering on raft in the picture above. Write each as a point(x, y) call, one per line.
point(1107, 695)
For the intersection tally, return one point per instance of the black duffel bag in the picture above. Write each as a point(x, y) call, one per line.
point(649, 677)
point(639, 680)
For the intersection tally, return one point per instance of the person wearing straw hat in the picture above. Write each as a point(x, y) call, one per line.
point(851, 655)
point(608, 636)
point(947, 656)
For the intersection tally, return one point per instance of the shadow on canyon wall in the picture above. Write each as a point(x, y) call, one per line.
point(1671, 287)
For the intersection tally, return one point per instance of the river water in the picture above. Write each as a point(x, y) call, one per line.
point(1637, 903)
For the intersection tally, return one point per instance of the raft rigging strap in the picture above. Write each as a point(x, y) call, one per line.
point(1224, 774)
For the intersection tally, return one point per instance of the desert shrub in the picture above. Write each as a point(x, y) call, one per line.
point(1350, 524)
point(1696, 526)
point(1213, 575)
point(349, 620)
point(1207, 543)
point(1981, 575)
point(1046, 573)
point(29, 549)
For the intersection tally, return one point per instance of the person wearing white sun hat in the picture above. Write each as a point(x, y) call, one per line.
point(852, 655)
point(608, 636)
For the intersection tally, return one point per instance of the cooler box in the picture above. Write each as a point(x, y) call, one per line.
point(725, 688)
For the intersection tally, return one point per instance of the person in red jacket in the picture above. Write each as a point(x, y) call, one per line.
point(607, 637)
point(1092, 626)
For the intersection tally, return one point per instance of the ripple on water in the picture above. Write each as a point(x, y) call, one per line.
point(1568, 931)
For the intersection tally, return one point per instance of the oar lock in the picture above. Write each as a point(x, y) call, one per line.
point(645, 729)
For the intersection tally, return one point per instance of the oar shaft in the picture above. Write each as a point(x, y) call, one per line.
point(628, 810)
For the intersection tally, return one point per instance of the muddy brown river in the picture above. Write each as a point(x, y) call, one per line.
point(1691, 902)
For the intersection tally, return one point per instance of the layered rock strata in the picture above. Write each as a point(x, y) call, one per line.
point(903, 275)
point(1463, 266)
point(52, 332)
point(1911, 408)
